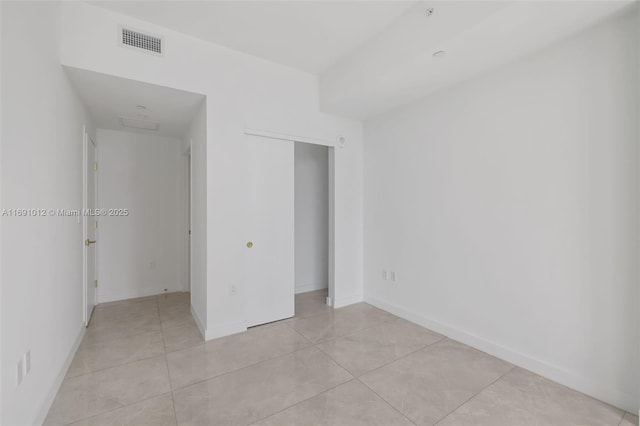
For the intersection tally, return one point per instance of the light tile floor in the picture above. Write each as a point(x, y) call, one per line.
point(143, 362)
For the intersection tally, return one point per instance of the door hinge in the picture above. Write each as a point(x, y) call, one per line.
point(95, 224)
point(95, 284)
point(95, 166)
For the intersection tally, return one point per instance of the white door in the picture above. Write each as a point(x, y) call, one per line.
point(268, 261)
point(90, 224)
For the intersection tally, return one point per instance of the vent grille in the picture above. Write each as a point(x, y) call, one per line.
point(141, 41)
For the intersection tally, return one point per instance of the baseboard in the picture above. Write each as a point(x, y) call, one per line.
point(137, 294)
point(346, 301)
point(225, 329)
point(44, 409)
point(199, 322)
point(305, 288)
point(611, 396)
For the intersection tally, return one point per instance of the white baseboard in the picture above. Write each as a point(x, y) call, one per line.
point(304, 288)
point(557, 374)
point(225, 329)
point(104, 298)
point(346, 301)
point(44, 409)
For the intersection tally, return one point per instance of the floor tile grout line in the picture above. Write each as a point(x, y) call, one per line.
point(319, 393)
point(393, 360)
point(444, 338)
point(304, 400)
point(385, 401)
point(114, 366)
point(300, 334)
point(124, 363)
point(102, 307)
point(244, 367)
point(175, 412)
point(310, 345)
point(205, 342)
point(380, 324)
point(116, 409)
point(111, 339)
point(475, 395)
point(624, 414)
point(332, 311)
point(173, 326)
point(127, 363)
point(166, 363)
point(359, 330)
point(357, 377)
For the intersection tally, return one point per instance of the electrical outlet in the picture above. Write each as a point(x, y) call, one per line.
point(27, 362)
point(384, 274)
point(19, 373)
point(233, 289)
point(392, 275)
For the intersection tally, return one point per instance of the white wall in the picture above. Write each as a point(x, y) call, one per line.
point(139, 254)
point(197, 138)
point(1, 356)
point(311, 217)
point(508, 206)
point(242, 92)
point(638, 157)
point(42, 121)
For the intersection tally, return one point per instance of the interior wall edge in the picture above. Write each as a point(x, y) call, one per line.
point(224, 329)
point(198, 321)
point(307, 287)
point(348, 300)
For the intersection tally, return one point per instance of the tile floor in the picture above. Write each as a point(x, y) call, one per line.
point(143, 362)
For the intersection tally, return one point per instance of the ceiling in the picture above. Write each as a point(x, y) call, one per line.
point(109, 98)
point(397, 67)
point(373, 56)
point(303, 34)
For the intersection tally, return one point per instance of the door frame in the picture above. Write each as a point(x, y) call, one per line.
point(187, 184)
point(86, 140)
point(331, 148)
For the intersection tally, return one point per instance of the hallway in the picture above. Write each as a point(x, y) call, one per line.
point(143, 362)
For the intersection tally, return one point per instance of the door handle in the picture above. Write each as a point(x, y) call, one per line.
point(88, 242)
point(249, 244)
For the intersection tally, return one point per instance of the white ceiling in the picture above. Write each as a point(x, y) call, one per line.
point(108, 98)
point(373, 56)
point(303, 34)
point(397, 67)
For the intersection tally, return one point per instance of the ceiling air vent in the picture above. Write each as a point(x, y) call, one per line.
point(137, 123)
point(141, 41)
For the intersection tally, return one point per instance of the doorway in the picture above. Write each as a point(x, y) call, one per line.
point(272, 252)
point(187, 203)
point(145, 134)
point(311, 182)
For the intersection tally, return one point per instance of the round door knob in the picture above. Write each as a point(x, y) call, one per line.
point(249, 244)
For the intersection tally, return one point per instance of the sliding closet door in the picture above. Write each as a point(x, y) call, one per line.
point(268, 245)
